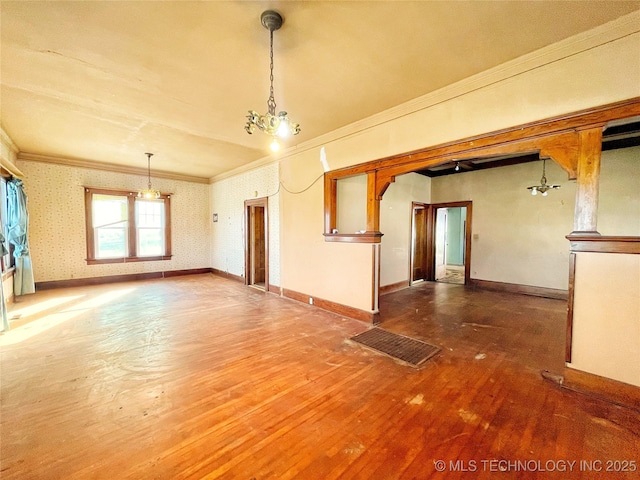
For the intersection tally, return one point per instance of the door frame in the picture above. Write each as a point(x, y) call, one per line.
point(430, 271)
point(249, 206)
point(427, 260)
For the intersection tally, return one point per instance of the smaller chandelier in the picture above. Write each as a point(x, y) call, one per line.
point(544, 187)
point(149, 192)
point(278, 126)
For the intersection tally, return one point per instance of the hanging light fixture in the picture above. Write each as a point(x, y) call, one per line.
point(543, 188)
point(278, 126)
point(149, 192)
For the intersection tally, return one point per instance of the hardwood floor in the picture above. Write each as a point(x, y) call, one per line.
point(202, 377)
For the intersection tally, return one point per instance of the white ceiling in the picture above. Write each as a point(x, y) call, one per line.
point(107, 81)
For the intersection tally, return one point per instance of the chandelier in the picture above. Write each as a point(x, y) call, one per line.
point(278, 126)
point(149, 192)
point(544, 187)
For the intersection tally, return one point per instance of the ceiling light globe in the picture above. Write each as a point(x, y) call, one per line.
point(284, 129)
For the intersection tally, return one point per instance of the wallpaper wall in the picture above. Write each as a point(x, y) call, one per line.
point(228, 233)
point(57, 221)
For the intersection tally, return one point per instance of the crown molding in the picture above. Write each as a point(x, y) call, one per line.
point(262, 162)
point(109, 167)
point(7, 161)
point(609, 32)
point(6, 139)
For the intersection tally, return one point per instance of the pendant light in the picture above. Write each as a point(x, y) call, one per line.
point(544, 187)
point(149, 192)
point(278, 126)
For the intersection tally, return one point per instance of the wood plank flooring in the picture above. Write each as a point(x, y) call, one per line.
point(201, 377)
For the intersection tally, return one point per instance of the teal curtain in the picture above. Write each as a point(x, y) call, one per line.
point(18, 231)
point(5, 319)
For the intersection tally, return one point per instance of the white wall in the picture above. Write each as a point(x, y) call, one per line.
point(57, 221)
point(516, 237)
point(228, 236)
point(606, 316)
point(595, 68)
point(395, 223)
point(619, 202)
point(352, 204)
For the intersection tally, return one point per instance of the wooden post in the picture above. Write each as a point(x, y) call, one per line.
point(330, 203)
point(586, 210)
point(373, 204)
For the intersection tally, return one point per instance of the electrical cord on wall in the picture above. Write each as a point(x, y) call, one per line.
point(280, 184)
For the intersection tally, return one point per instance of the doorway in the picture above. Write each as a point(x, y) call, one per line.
point(256, 244)
point(450, 243)
point(441, 242)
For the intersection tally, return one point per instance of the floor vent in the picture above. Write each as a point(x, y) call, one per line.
point(409, 350)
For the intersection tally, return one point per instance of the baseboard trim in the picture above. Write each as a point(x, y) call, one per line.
point(275, 289)
point(603, 388)
point(132, 277)
point(394, 287)
point(519, 289)
point(230, 276)
point(193, 271)
point(332, 307)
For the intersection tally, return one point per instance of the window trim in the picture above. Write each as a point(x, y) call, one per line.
point(131, 230)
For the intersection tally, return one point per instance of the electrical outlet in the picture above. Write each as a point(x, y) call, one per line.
point(310, 300)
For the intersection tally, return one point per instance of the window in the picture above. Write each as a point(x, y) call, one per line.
point(124, 228)
point(6, 261)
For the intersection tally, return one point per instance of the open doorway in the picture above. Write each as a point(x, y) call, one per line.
point(450, 243)
point(256, 244)
point(441, 242)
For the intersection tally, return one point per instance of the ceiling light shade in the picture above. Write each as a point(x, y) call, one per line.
point(544, 187)
point(149, 193)
point(277, 125)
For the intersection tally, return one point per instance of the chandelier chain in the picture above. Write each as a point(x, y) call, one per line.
point(149, 169)
point(276, 125)
point(271, 103)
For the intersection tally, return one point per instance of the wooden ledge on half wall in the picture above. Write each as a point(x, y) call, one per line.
point(364, 237)
point(585, 242)
point(595, 386)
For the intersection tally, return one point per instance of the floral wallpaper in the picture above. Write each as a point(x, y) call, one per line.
point(57, 221)
point(227, 201)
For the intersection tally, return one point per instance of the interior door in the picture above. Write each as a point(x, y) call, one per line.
point(256, 244)
point(419, 244)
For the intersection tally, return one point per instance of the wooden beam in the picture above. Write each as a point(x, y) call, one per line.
point(330, 203)
point(573, 141)
point(373, 204)
point(569, 328)
point(602, 244)
point(586, 208)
